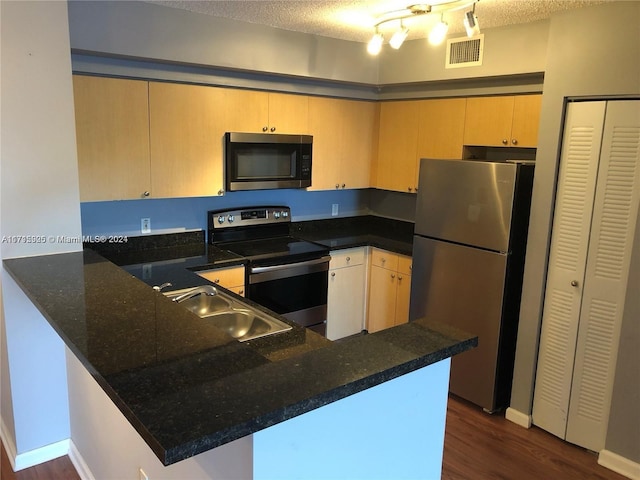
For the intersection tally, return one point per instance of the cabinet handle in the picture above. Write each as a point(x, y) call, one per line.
point(505, 141)
point(344, 185)
point(264, 129)
point(514, 141)
point(337, 186)
point(399, 277)
point(416, 189)
point(273, 129)
point(217, 280)
point(146, 194)
point(574, 283)
point(348, 259)
point(241, 292)
point(333, 274)
point(393, 275)
point(410, 189)
point(220, 192)
point(383, 260)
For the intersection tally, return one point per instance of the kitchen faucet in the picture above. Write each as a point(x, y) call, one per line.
point(203, 290)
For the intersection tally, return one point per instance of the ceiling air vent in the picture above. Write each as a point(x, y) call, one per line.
point(465, 52)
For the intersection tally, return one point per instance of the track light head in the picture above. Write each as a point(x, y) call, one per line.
point(375, 44)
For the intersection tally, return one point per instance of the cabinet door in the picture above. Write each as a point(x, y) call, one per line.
point(288, 113)
point(325, 124)
point(243, 110)
point(112, 134)
point(526, 120)
point(227, 277)
point(382, 299)
point(441, 129)
point(397, 146)
point(358, 137)
point(488, 121)
point(402, 298)
point(186, 131)
point(343, 136)
point(345, 301)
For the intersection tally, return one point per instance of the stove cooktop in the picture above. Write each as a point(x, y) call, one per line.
point(283, 249)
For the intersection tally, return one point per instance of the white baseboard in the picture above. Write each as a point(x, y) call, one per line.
point(518, 418)
point(32, 457)
point(81, 466)
point(41, 455)
point(619, 464)
point(9, 443)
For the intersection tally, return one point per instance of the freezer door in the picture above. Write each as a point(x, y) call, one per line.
point(462, 287)
point(467, 202)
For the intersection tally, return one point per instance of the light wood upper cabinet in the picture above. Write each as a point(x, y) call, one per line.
point(397, 146)
point(287, 113)
point(504, 121)
point(112, 134)
point(441, 128)
point(187, 125)
point(526, 120)
point(412, 130)
point(343, 135)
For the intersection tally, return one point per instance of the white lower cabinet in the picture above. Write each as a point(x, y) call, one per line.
point(346, 293)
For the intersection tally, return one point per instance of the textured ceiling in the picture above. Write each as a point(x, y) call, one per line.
point(354, 19)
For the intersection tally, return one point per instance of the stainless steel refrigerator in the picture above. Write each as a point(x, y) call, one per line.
point(468, 259)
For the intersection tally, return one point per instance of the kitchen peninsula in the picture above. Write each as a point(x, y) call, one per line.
point(259, 408)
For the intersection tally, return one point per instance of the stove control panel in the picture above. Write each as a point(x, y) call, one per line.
point(247, 217)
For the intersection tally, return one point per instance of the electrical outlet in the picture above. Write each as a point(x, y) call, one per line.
point(142, 475)
point(334, 210)
point(145, 225)
point(146, 271)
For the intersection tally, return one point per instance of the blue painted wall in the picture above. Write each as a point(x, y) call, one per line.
point(180, 214)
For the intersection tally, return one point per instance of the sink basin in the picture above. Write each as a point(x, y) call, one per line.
point(238, 319)
point(246, 324)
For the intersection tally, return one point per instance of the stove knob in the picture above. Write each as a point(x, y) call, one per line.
point(231, 218)
point(220, 219)
point(276, 215)
point(285, 214)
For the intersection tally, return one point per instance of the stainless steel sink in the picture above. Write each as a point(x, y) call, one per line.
point(238, 319)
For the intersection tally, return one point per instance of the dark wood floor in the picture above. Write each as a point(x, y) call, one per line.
point(482, 446)
point(476, 446)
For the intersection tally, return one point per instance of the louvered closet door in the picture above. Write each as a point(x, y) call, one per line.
point(615, 213)
point(567, 259)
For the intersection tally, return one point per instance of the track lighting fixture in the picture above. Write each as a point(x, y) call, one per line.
point(471, 22)
point(436, 36)
point(375, 44)
point(439, 31)
point(399, 37)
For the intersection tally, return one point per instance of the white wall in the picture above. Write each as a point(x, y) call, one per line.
point(39, 197)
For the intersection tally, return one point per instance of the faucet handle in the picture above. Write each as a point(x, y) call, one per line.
point(158, 288)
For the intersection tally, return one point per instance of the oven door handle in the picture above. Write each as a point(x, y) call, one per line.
point(272, 272)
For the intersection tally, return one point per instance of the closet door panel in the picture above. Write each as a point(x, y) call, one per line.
point(569, 244)
point(613, 225)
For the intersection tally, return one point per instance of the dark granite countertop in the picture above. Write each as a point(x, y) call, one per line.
point(362, 231)
point(151, 355)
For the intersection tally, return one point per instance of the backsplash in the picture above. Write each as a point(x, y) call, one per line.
point(174, 215)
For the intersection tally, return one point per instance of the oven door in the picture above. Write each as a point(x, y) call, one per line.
point(297, 291)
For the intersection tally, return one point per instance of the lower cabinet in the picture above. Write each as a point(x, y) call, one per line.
point(346, 294)
point(231, 278)
point(389, 290)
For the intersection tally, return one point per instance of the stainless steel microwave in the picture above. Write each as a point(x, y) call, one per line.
point(261, 161)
